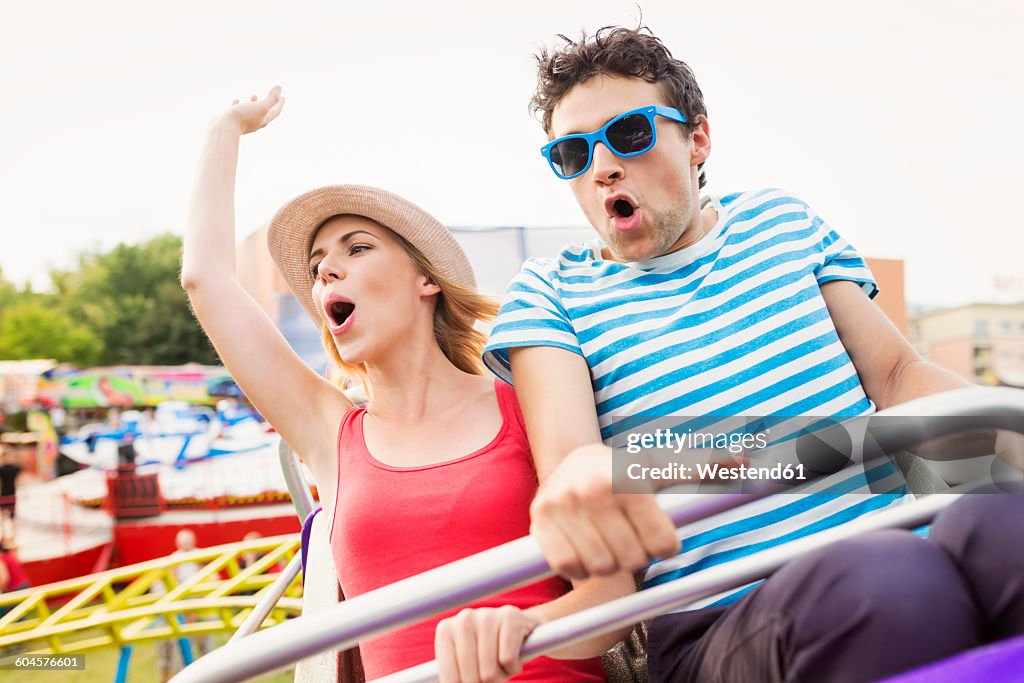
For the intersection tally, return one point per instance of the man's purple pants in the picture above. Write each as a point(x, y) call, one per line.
point(864, 608)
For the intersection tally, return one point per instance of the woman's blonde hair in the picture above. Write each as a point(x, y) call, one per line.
point(458, 308)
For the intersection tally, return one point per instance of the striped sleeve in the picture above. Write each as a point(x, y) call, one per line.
point(532, 314)
point(839, 260)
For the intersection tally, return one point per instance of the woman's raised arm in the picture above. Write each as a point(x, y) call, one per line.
point(303, 407)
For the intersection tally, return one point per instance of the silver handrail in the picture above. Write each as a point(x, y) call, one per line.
point(298, 488)
point(649, 603)
point(520, 561)
point(267, 601)
point(343, 625)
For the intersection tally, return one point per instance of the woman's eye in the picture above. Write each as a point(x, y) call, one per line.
point(357, 248)
point(314, 270)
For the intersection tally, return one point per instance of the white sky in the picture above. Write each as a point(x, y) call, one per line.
point(900, 122)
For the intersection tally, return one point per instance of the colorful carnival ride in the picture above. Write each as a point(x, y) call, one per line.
point(100, 517)
point(124, 609)
point(145, 602)
point(174, 433)
point(143, 452)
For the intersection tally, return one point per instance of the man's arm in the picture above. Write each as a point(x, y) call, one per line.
point(583, 528)
point(890, 370)
point(557, 399)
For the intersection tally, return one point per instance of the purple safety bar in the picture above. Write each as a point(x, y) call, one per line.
point(1001, 662)
point(307, 529)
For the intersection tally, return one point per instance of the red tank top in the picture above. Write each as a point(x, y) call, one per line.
point(393, 522)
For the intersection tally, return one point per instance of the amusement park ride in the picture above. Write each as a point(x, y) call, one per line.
point(139, 481)
point(118, 608)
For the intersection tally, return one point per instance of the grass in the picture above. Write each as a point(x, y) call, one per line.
point(101, 667)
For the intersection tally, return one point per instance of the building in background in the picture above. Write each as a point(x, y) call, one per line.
point(260, 277)
point(496, 255)
point(982, 342)
point(892, 295)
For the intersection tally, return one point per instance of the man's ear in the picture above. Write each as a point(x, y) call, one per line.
point(700, 138)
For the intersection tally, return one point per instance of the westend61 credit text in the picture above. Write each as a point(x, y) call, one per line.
point(716, 472)
point(702, 457)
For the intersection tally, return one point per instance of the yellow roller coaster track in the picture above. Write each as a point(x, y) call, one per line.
point(143, 602)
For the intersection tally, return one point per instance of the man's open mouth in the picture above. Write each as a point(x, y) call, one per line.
point(339, 312)
point(619, 207)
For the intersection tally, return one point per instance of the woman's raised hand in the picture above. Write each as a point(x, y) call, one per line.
point(252, 115)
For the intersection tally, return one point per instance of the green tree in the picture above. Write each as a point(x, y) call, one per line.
point(130, 299)
point(30, 328)
point(8, 292)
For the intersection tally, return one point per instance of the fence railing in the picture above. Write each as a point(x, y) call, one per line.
point(124, 606)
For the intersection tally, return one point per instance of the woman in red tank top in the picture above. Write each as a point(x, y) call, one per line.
point(437, 465)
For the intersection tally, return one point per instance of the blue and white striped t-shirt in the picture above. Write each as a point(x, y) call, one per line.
point(732, 325)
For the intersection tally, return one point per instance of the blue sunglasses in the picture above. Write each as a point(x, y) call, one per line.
point(627, 135)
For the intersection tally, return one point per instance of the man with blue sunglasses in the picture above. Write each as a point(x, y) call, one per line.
point(743, 304)
point(627, 135)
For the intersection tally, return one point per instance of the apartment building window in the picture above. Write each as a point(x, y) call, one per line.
point(1005, 327)
point(981, 329)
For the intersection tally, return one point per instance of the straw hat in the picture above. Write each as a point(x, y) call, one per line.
point(291, 233)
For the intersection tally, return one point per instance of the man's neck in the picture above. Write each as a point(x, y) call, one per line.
point(696, 232)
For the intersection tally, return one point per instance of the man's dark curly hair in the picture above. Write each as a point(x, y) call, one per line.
point(616, 51)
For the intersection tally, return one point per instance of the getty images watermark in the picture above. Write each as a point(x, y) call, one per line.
point(721, 467)
point(867, 455)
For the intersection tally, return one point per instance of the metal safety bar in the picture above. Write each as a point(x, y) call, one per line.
point(512, 564)
point(270, 599)
point(344, 625)
point(298, 487)
point(652, 602)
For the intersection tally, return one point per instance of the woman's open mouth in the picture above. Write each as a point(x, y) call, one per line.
point(340, 312)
